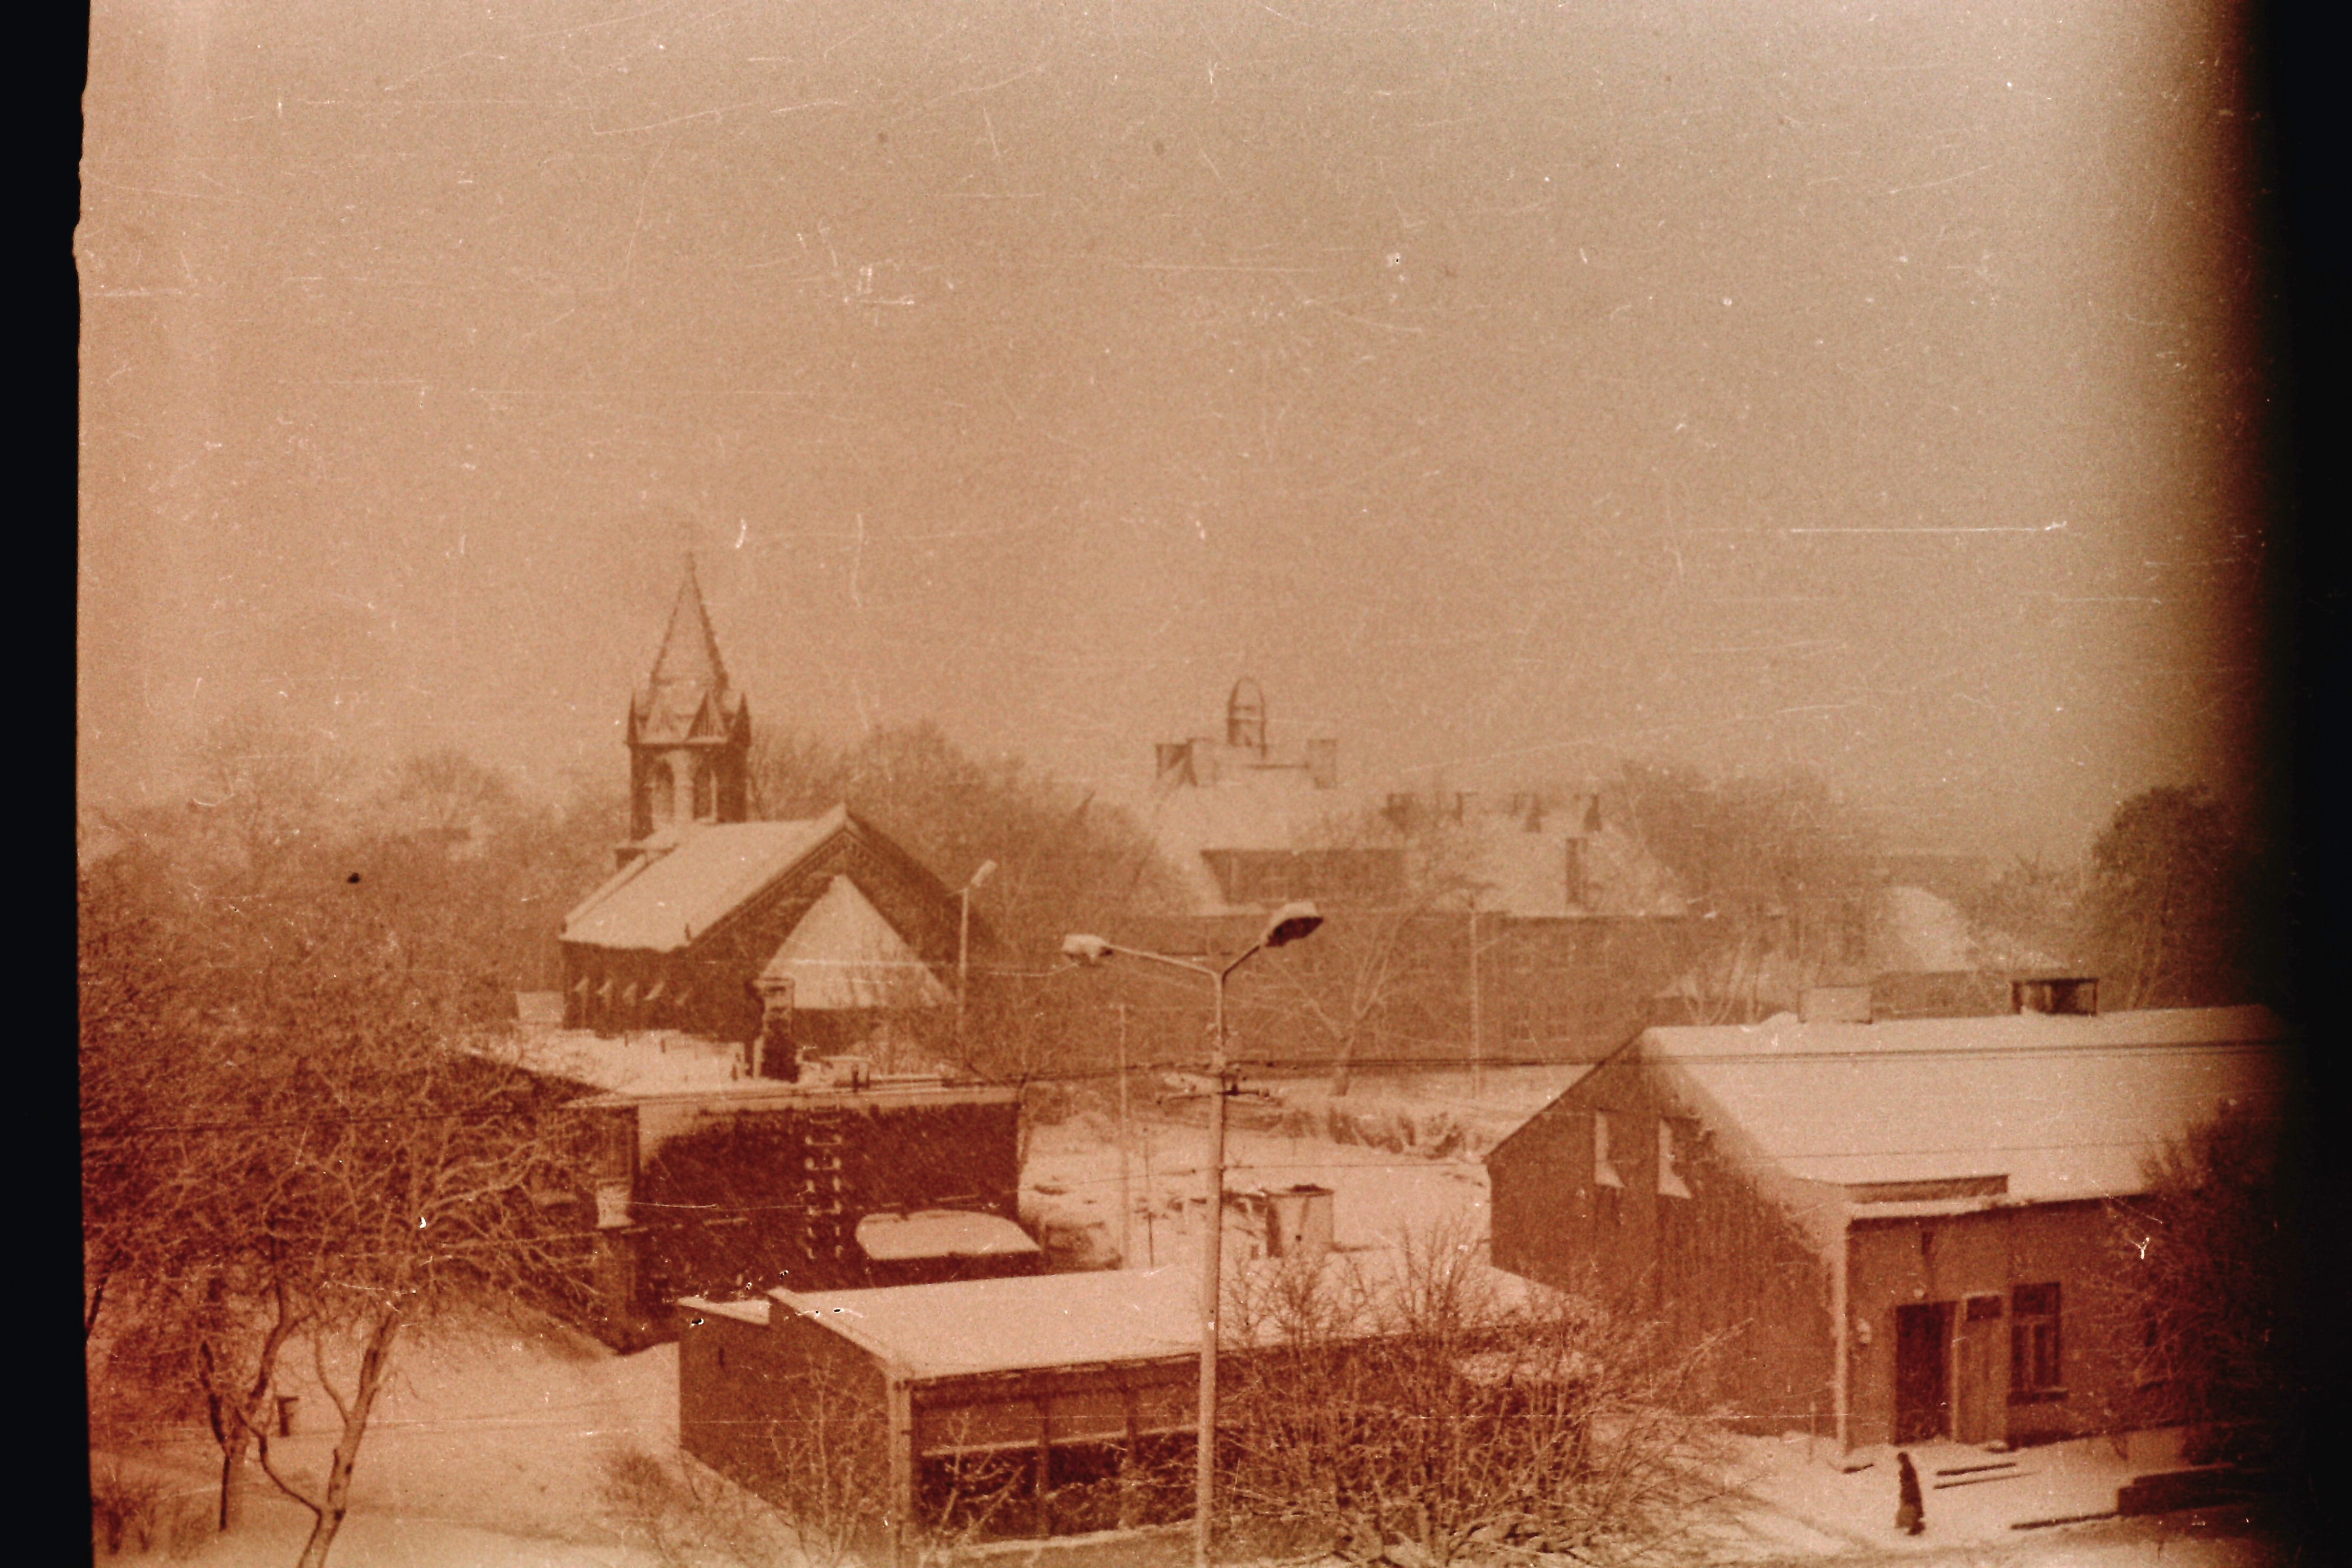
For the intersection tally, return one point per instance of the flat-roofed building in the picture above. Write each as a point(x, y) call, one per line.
point(988, 1411)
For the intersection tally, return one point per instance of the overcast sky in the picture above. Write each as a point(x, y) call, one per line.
point(1508, 388)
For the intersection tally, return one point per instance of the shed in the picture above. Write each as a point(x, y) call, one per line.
point(988, 1410)
point(993, 1410)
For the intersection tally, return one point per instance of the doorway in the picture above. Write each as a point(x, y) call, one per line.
point(1979, 1394)
point(1923, 1372)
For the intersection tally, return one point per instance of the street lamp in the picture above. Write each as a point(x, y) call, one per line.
point(1290, 922)
point(963, 941)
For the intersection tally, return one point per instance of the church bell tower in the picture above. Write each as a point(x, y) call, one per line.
point(690, 733)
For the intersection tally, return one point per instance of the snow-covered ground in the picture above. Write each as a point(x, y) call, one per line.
point(1408, 1162)
point(487, 1449)
point(1811, 1500)
point(490, 1448)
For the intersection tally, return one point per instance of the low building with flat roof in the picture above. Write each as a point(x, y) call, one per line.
point(1045, 1409)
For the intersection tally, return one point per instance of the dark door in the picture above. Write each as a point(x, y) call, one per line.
point(1923, 1372)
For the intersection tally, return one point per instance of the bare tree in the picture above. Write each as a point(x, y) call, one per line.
point(1382, 967)
point(286, 1144)
point(1777, 869)
point(1433, 1412)
point(2029, 918)
point(1066, 859)
point(1366, 967)
point(2206, 1285)
point(2172, 912)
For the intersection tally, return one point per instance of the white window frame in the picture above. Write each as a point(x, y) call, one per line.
point(1603, 1172)
point(1670, 1175)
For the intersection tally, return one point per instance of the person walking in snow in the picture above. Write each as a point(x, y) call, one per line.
point(1910, 1512)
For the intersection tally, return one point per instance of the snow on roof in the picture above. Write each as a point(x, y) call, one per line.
point(1006, 1325)
point(742, 1311)
point(1278, 810)
point(939, 1233)
point(657, 904)
point(1520, 872)
point(663, 1062)
point(2065, 1106)
point(976, 1326)
point(844, 954)
point(1524, 872)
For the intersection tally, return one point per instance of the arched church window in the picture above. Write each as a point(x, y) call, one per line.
point(706, 795)
point(661, 799)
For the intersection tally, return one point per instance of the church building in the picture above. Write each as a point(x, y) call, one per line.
point(794, 938)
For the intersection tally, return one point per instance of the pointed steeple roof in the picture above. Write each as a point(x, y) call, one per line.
point(689, 650)
point(687, 697)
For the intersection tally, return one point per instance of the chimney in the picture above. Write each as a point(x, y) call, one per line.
point(1835, 1004)
point(2072, 995)
point(1298, 1222)
point(1323, 763)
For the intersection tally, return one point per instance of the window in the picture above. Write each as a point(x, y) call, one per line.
point(1603, 1172)
point(661, 794)
point(2035, 1366)
point(1670, 1172)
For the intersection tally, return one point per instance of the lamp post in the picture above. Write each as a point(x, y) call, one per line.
point(963, 941)
point(1290, 922)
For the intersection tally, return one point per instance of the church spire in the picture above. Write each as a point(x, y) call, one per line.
point(690, 729)
point(689, 651)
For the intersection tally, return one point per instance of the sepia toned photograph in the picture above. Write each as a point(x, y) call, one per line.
point(1285, 783)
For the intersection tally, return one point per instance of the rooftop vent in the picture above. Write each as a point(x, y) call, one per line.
point(2074, 994)
point(1245, 716)
point(1835, 1004)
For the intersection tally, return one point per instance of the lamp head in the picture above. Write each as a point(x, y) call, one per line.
point(1290, 922)
point(1086, 949)
point(987, 869)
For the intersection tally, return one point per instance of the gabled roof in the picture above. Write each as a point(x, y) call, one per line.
point(844, 954)
point(661, 903)
point(2063, 1106)
point(1273, 811)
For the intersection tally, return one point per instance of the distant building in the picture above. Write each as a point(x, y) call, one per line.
point(1571, 922)
point(813, 936)
point(1897, 1230)
point(1247, 825)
